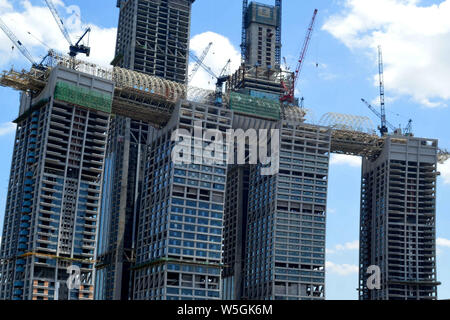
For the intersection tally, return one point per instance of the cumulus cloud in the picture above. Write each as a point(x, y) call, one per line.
point(415, 40)
point(7, 128)
point(442, 242)
point(221, 51)
point(38, 20)
point(444, 169)
point(342, 159)
point(5, 5)
point(341, 269)
point(348, 246)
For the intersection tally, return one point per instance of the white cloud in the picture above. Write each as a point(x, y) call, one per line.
point(7, 128)
point(39, 21)
point(444, 169)
point(341, 269)
point(342, 159)
point(442, 242)
point(348, 246)
point(5, 5)
point(331, 210)
point(221, 51)
point(415, 40)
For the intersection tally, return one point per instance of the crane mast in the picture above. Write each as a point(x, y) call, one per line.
point(244, 31)
point(289, 95)
point(279, 5)
point(384, 129)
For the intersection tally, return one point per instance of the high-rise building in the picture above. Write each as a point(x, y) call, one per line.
point(260, 74)
point(152, 38)
point(261, 26)
point(54, 191)
point(274, 242)
point(398, 221)
point(180, 229)
point(281, 231)
point(285, 250)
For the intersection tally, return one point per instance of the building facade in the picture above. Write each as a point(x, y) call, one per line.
point(152, 38)
point(235, 231)
point(261, 26)
point(54, 191)
point(285, 250)
point(180, 229)
point(398, 220)
point(120, 207)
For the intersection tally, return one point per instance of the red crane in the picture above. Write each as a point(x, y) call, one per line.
point(289, 92)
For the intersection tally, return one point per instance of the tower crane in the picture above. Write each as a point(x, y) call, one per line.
point(200, 61)
point(289, 91)
point(387, 124)
point(407, 131)
point(22, 48)
point(221, 78)
point(76, 48)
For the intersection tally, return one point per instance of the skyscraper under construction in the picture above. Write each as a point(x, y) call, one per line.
point(54, 191)
point(274, 244)
point(398, 220)
point(93, 189)
point(152, 38)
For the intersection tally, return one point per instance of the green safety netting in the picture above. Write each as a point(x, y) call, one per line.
point(83, 97)
point(246, 104)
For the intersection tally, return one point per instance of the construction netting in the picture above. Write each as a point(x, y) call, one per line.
point(83, 97)
point(259, 107)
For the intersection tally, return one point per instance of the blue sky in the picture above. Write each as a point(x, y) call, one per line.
point(415, 36)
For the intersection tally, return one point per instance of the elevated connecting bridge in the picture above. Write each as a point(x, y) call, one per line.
point(152, 99)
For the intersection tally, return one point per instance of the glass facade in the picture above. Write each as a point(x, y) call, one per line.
point(179, 247)
point(285, 251)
